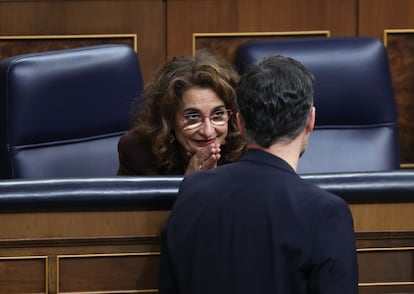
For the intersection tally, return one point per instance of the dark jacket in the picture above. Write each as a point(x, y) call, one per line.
point(255, 226)
point(136, 157)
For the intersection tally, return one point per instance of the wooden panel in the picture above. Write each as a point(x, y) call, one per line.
point(144, 18)
point(383, 216)
point(108, 245)
point(15, 45)
point(389, 289)
point(375, 18)
point(39, 225)
point(385, 261)
point(225, 45)
point(108, 272)
point(400, 47)
point(20, 226)
point(117, 251)
point(23, 274)
point(186, 17)
point(99, 255)
point(392, 265)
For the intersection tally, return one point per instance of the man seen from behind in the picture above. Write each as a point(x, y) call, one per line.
point(255, 226)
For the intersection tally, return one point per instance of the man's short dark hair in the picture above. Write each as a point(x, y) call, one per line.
point(275, 97)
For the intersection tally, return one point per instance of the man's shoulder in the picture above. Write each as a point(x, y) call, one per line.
point(209, 180)
point(324, 197)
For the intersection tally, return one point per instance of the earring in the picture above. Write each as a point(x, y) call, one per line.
point(171, 138)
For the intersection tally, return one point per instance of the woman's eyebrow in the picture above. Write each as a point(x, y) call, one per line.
point(219, 107)
point(193, 109)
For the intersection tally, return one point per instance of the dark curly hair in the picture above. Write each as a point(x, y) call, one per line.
point(163, 94)
point(275, 98)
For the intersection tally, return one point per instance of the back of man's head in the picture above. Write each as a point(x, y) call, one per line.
point(275, 98)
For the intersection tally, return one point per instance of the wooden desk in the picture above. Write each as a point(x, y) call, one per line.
point(110, 244)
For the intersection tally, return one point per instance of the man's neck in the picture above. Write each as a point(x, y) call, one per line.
point(289, 152)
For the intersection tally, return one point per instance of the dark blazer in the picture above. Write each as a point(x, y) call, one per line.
point(255, 226)
point(136, 157)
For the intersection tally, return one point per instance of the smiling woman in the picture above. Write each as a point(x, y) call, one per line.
point(199, 132)
point(187, 122)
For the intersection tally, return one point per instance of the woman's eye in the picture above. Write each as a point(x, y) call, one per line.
point(192, 116)
point(219, 113)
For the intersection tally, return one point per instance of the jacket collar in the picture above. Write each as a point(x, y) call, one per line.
point(266, 158)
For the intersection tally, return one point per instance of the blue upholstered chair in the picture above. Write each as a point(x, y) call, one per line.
point(63, 111)
point(356, 121)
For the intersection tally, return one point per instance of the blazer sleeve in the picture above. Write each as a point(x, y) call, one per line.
point(135, 156)
point(124, 168)
point(334, 256)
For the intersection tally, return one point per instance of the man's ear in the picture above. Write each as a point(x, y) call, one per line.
point(239, 123)
point(311, 120)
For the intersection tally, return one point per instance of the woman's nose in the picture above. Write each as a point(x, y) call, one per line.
point(207, 128)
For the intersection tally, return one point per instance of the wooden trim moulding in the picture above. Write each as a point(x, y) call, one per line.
point(395, 31)
point(45, 258)
point(385, 249)
point(255, 34)
point(68, 256)
point(90, 36)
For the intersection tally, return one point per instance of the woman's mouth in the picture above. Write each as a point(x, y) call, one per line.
point(204, 143)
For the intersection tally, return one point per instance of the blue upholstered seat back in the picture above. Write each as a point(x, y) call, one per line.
point(63, 111)
point(356, 121)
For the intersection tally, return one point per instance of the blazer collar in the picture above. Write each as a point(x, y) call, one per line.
point(266, 158)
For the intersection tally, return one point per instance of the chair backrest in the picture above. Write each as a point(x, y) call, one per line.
point(62, 112)
point(356, 121)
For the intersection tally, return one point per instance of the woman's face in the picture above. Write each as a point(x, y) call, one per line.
point(200, 103)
